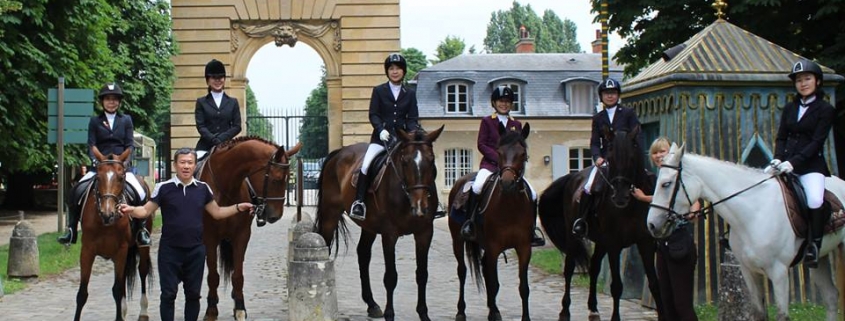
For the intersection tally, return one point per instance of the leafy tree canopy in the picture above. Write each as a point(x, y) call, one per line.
point(314, 133)
point(257, 124)
point(449, 48)
point(550, 33)
point(416, 61)
point(7, 5)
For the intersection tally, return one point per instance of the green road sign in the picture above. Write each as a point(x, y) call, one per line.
point(78, 108)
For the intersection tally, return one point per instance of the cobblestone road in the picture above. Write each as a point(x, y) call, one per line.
point(266, 293)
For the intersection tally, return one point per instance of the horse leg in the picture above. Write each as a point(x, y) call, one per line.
point(646, 250)
point(238, 281)
point(86, 263)
point(118, 289)
point(388, 244)
point(213, 280)
point(824, 281)
point(365, 253)
point(491, 281)
point(779, 275)
point(568, 271)
point(458, 250)
point(615, 284)
point(144, 269)
point(595, 268)
point(753, 282)
point(524, 254)
point(423, 244)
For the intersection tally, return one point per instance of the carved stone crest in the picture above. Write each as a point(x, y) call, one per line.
point(284, 32)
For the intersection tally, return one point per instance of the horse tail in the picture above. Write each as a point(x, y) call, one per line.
point(130, 269)
point(474, 256)
point(342, 231)
point(227, 259)
point(553, 213)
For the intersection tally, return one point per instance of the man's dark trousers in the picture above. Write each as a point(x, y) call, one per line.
point(185, 265)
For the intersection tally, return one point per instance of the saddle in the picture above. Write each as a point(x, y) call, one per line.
point(201, 162)
point(598, 184)
point(374, 177)
point(486, 192)
point(797, 210)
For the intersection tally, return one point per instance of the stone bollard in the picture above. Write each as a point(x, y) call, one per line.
point(733, 294)
point(306, 225)
point(312, 294)
point(23, 252)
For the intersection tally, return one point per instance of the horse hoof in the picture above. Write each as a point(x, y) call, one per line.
point(494, 317)
point(594, 316)
point(240, 315)
point(375, 312)
point(460, 317)
point(210, 318)
point(143, 318)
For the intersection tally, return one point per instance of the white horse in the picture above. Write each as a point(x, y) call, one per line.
point(761, 235)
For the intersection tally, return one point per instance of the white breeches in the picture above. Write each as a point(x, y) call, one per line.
point(589, 185)
point(813, 184)
point(130, 178)
point(201, 153)
point(372, 151)
point(482, 176)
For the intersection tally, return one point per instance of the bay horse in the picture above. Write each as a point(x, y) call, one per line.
point(108, 233)
point(403, 202)
point(761, 238)
point(506, 218)
point(244, 169)
point(619, 222)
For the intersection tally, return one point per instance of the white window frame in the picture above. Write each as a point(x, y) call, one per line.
point(582, 109)
point(582, 157)
point(455, 107)
point(458, 162)
point(518, 107)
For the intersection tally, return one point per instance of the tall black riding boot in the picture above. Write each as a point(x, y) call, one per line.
point(72, 223)
point(359, 209)
point(537, 238)
point(142, 235)
point(468, 229)
point(579, 228)
point(817, 221)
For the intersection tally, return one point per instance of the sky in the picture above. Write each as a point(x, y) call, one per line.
point(280, 85)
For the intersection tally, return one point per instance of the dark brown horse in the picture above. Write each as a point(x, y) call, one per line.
point(244, 169)
point(507, 219)
point(403, 202)
point(620, 221)
point(108, 233)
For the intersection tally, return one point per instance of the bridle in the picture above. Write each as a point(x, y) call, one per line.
point(405, 188)
point(118, 199)
point(260, 202)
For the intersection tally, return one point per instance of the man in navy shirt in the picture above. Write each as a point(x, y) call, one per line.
point(181, 254)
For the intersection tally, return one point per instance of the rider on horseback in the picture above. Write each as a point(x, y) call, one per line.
point(112, 133)
point(392, 106)
point(613, 117)
point(217, 115)
point(488, 139)
point(799, 147)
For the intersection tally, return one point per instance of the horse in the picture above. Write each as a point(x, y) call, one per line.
point(761, 238)
point(108, 233)
point(403, 202)
point(508, 218)
point(619, 222)
point(244, 169)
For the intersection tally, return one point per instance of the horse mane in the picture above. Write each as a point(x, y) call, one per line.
point(237, 140)
point(723, 162)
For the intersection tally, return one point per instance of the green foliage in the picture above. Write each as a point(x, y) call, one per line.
point(811, 28)
point(797, 312)
point(416, 61)
point(449, 48)
point(7, 5)
point(257, 124)
point(314, 133)
point(550, 33)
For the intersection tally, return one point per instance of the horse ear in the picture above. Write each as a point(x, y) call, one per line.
point(294, 150)
point(432, 136)
point(96, 151)
point(526, 130)
point(125, 155)
point(403, 135)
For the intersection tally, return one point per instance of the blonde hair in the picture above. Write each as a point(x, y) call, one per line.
point(658, 144)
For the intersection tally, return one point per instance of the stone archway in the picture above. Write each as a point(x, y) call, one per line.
point(351, 36)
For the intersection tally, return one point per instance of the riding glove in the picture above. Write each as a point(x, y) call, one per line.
point(773, 167)
point(785, 167)
point(774, 163)
point(384, 135)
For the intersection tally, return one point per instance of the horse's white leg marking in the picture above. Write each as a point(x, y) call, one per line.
point(823, 279)
point(779, 275)
point(752, 282)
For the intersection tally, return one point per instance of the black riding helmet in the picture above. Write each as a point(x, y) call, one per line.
point(110, 89)
point(215, 69)
point(396, 59)
point(610, 84)
point(499, 93)
point(804, 65)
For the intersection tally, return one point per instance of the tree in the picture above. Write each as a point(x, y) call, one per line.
point(89, 42)
point(811, 28)
point(314, 133)
point(551, 34)
point(7, 5)
point(449, 48)
point(256, 123)
point(416, 61)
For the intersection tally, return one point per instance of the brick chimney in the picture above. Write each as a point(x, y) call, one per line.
point(597, 43)
point(525, 43)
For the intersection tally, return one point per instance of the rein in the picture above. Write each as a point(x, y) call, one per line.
point(260, 202)
point(673, 215)
point(392, 164)
point(118, 199)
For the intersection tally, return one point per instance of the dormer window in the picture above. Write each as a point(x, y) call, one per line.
point(517, 85)
point(517, 96)
point(580, 95)
point(457, 98)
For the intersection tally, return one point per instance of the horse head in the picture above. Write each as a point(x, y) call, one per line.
point(412, 160)
point(513, 154)
point(625, 164)
point(270, 195)
point(109, 184)
point(665, 204)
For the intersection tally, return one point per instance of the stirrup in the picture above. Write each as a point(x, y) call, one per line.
point(811, 261)
point(468, 231)
point(580, 221)
point(537, 238)
point(67, 239)
point(364, 210)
